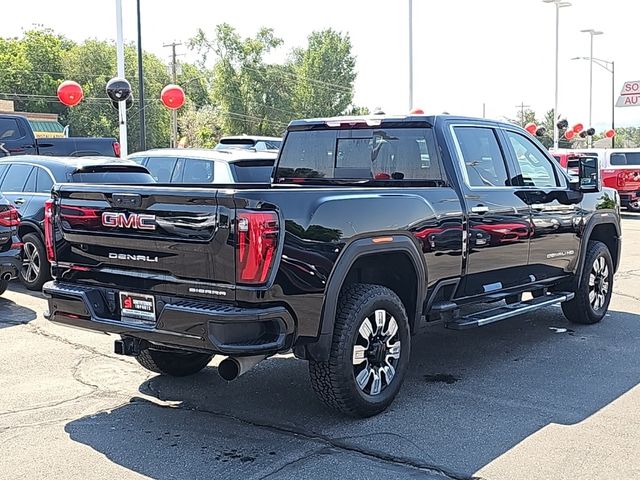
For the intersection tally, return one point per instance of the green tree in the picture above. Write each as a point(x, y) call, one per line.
point(200, 127)
point(324, 75)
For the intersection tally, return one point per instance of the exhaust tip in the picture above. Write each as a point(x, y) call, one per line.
point(229, 369)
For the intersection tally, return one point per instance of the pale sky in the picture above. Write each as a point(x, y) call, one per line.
point(466, 52)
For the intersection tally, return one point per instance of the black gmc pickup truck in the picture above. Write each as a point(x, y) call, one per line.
point(371, 229)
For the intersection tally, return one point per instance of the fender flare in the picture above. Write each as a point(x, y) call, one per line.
point(361, 247)
point(31, 226)
point(602, 219)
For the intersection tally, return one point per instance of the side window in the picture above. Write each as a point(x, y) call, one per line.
point(161, 168)
point(9, 129)
point(138, 160)
point(3, 169)
point(30, 185)
point(483, 159)
point(197, 171)
point(44, 182)
point(537, 170)
point(15, 178)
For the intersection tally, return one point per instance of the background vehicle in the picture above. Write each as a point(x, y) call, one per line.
point(10, 261)
point(570, 161)
point(26, 181)
point(259, 144)
point(362, 239)
point(620, 170)
point(17, 138)
point(207, 166)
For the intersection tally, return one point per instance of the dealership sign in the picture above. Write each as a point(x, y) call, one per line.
point(630, 95)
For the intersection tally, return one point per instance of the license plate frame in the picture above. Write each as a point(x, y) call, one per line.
point(137, 307)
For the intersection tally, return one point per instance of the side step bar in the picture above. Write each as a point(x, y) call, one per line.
point(492, 315)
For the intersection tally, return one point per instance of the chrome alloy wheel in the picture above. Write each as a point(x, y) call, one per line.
point(376, 352)
point(598, 283)
point(30, 263)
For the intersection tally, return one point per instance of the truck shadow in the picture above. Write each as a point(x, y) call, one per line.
point(469, 398)
point(12, 314)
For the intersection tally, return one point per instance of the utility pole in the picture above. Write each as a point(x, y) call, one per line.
point(143, 127)
point(174, 77)
point(522, 106)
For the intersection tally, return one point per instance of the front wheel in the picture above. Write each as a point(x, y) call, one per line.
point(36, 269)
point(173, 363)
point(594, 292)
point(369, 353)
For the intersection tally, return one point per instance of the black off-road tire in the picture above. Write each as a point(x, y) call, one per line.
point(580, 309)
point(175, 364)
point(33, 242)
point(334, 381)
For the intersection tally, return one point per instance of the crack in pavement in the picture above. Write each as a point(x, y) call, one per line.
point(332, 442)
point(626, 295)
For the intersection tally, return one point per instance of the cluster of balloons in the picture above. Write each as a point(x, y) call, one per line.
point(119, 90)
point(570, 133)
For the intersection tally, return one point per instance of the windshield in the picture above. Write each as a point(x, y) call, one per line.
point(255, 171)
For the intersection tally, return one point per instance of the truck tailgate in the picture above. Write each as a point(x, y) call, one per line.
point(158, 239)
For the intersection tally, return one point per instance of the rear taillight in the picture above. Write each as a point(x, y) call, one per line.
point(10, 217)
point(257, 244)
point(49, 238)
point(621, 179)
point(116, 149)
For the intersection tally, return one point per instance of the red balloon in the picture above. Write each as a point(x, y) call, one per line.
point(577, 128)
point(70, 93)
point(417, 111)
point(531, 128)
point(610, 133)
point(173, 97)
point(569, 134)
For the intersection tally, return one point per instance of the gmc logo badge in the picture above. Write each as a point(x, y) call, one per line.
point(138, 221)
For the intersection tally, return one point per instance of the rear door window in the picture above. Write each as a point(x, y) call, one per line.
point(44, 183)
point(483, 159)
point(537, 170)
point(197, 171)
point(161, 168)
point(627, 158)
point(30, 185)
point(16, 178)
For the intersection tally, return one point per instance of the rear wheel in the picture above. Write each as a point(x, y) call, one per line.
point(593, 295)
point(634, 206)
point(174, 363)
point(369, 353)
point(36, 269)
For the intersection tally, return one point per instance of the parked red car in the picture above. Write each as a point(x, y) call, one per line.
point(619, 169)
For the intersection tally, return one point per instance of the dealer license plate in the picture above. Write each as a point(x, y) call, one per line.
point(138, 307)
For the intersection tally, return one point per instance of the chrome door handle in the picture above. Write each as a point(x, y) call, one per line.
point(19, 201)
point(481, 209)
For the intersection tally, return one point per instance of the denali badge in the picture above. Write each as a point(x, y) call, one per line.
point(138, 221)
point(135, 258)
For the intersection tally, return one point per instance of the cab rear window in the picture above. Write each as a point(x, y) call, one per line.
point(380, 154)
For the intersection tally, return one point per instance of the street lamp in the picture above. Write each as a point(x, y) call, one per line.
point(609, 66)
point(410, 54)
point(592, 33)
point(559, 4)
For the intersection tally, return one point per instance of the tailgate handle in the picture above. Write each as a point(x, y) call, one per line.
point(126, 200)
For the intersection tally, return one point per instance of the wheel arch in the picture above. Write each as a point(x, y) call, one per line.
point(601, 229)
point(367, 259)
point(27, 226)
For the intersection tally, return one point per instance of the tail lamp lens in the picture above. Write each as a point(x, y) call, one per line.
point(49, 238)
point(257, 244)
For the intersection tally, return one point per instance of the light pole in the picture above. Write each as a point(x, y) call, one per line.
point(559, 4)
point(410, 54)
point(610, 67)
point(122, 109)
point(143, 133)
point(591, 33)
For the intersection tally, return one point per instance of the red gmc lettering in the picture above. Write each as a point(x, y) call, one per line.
point(133, 220)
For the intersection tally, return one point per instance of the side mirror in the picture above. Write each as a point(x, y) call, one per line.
point(589, 175)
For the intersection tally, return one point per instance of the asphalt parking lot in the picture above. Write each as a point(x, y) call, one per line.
point(530, 398)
